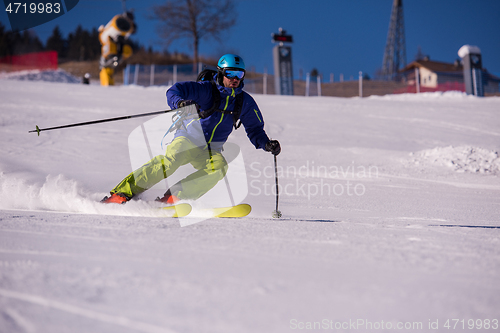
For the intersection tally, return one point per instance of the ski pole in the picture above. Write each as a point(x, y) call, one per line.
point(38, 130)
point(276, 214)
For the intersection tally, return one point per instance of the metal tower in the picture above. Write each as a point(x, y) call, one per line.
point(395, 48)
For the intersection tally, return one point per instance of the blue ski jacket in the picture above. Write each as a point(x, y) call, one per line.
point(215, 129)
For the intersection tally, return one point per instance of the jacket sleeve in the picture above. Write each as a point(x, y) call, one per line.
point(252, 120)
point(199, 92)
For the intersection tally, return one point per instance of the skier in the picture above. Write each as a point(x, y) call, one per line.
point(200, 137)
point(115, 47)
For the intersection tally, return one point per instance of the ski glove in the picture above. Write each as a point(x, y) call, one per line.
point(273, 146)
point(183, 103)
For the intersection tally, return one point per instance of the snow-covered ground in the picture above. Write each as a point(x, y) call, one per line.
point(390, 219)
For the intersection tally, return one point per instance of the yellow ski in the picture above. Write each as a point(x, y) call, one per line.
point(183, 209)
point(233, 211)
point(179, 210)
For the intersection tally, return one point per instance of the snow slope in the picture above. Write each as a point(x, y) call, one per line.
point(390, 219)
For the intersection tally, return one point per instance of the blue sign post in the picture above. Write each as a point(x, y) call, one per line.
point(283, 70)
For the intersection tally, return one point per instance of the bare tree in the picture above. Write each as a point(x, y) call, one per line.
point(195, 20)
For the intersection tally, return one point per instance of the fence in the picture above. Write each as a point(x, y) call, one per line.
point(162, 75)
point(36, 60)
point(362, 86)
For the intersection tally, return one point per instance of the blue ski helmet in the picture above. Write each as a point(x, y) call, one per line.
point(231, 61)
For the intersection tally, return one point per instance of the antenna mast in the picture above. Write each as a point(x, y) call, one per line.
point(395, 48)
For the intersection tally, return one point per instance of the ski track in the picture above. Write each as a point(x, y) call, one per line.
point(60, 306)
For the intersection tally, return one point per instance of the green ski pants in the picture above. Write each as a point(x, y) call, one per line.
point(211, 168)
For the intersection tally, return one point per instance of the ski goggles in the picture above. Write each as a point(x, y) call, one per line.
point(234, 74)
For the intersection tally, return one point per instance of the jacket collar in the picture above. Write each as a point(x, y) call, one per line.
point(229, 91)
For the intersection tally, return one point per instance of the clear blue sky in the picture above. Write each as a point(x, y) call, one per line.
point(334, 36)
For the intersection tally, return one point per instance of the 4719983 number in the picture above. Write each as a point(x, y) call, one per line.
point(33, 7)
point(472, 324)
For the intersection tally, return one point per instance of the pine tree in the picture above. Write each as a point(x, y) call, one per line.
point(420, 55)
point(27, 43)
point(4, 41)
point(76, 44)
point(57, 43)
point(94, 45)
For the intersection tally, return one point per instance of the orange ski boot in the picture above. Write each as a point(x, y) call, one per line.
point(168, 198)
point(117, 198)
